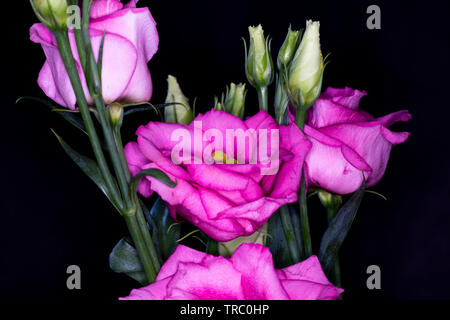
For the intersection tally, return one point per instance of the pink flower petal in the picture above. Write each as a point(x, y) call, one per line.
point(346, 97)
point(325, 112)
point(248, 275)
point(102, 8)
point(259, 278)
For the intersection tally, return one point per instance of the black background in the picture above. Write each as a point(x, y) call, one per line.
point(52, 216)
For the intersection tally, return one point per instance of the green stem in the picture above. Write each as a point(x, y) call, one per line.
point(120, 150)
point(112, 148)
point(263, 98)
point(141, 248)
point(139, 213)
point(69, 63)
point(290, 234)
point(331, 212)
point(300, 117)
point(92, 73)
point(94, 84)
point(147, 238)
point(304, 217)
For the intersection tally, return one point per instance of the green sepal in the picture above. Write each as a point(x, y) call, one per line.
point(338, 229)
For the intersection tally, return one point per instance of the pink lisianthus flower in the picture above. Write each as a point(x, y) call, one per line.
point(131, 40)
point(224, 200)
point(248, 275)
point(347, 141)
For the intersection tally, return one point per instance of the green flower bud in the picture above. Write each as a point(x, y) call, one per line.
point(259, 64)
point(226, 249)
point(233, 101)
point(181, 112)
point(52, 13)
point(116, 114)
point(281, 102)
point(288, 48)
point(218, 105)
point(306, 69)
point(330, 201)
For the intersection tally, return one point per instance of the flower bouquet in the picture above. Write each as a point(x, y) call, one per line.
point(238, 183)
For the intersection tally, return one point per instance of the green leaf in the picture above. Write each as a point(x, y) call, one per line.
point(154, 173)
point(338, 230)
point(277, 241)
point(296, 223)
point(165, 230)
point(87, 165)
point(73, 117)
point(146, 106)
point(212, 246)
point(124, 259)
point(100, 54)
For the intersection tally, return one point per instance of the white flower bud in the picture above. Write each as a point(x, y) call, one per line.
point(52, 13)
point(307, 67)
point(180, 112)
point(259, 64)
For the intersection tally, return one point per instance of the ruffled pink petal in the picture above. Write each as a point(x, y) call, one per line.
point(310, 270)
point(119, 64)
point(251, 216)
point(306, 290)
point(215, 177)
point(307, 281)
point(131, 4)
point(346, 97)
point(371, 141)
point(158, 290)
point(115, 76)
point(134, 155)
point(213, 203)
point(163, 135)
point(188, 203)
point(220, 120)
point(47, 83)
point(287, 180)
point(261, 120)
point(135, 24)
point(102, 8)
point(215, 279)
point(325, 112)
point(332, 165)
point(181, 254)
point(248, 275)
point(394, 137)
point(390, 119)
point(223, 200)
point(55, 83)
point(259, 277)
point(136, 161)
point(154, 155)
